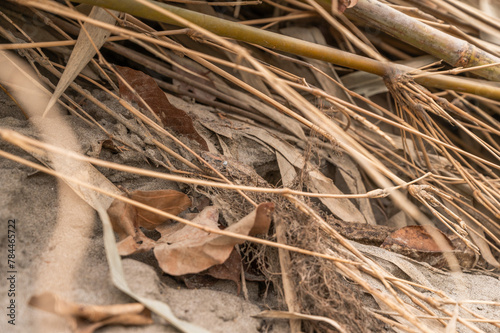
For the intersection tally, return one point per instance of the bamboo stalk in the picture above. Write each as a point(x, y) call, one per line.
point(455, 51)
point(293, 45)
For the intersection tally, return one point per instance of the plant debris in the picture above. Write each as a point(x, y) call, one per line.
point(148, 95)
point(300, 141)
point(86, 318)
point(191, 250)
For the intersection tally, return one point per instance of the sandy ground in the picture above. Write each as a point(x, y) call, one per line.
point(63, 252)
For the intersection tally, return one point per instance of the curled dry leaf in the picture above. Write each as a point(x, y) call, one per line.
point(123, 217)
point(263, 215)
point(148, 90)
point(126, 219)
point(88, 318)
point(190, 250)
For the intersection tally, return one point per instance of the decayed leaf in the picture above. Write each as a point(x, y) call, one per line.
point(88, 318)
point(126, 219)
point(417, 242)
point(191, 250)
point(229, 270)
point(148, 90)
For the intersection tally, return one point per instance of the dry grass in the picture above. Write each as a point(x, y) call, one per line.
point(431, 152)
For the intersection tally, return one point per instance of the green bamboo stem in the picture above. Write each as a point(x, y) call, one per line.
point(295, 46)
point(245, 33)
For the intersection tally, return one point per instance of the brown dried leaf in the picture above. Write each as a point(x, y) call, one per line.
point(229, 270)
point(191, 250)
point(123, 217)
point(183, 251)
point(148, 90)
point(126, 219)
point(166, 229)
point(88, 318)
point(169, 201)
point(135, 244)
point(417, 242)
point(415, 237)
